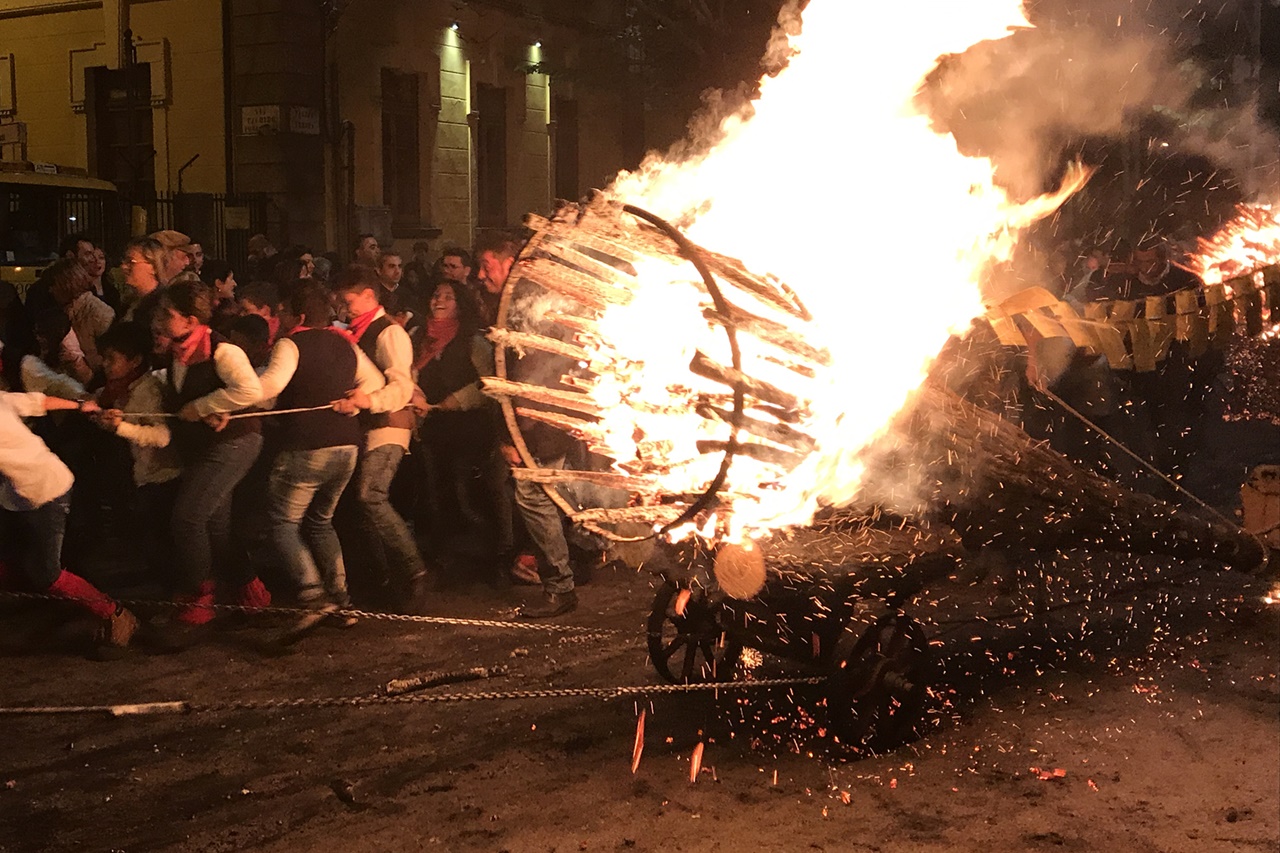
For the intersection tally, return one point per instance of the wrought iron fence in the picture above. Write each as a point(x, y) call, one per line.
point(221, 223)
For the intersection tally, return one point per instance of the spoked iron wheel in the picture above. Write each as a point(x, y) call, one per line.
point(876, 694)
point(689, 646)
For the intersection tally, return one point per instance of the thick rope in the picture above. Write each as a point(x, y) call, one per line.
point(256, 414)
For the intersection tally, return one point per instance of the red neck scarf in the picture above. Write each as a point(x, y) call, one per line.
point(195, 347)
point(440, 333)
point(360, 323)
point(115, 392)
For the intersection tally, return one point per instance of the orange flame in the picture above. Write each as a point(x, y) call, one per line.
point(788, 189)
point(1244, 245)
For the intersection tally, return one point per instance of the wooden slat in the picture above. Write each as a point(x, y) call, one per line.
point(527, 341)
point(570, 400)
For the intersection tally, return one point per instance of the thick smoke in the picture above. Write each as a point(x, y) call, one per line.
point(1105, 68)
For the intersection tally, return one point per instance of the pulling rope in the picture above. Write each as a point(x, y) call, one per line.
point(367, 700)
point(255, 414)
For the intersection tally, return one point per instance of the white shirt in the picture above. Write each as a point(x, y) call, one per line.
point(153, 460)
point(243, 387)
point(393, 354)
point(30, 474)
point(40, 378)
point(284, 363)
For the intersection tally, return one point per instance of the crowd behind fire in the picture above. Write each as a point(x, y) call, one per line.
point(134, 405)
point(217, 425)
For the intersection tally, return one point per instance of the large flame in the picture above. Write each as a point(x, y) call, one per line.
point(1244, 245)
point(836, 184)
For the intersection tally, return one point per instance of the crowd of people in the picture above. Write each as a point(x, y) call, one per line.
point(223, 417)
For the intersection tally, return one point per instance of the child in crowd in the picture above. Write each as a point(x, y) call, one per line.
point(131, 388)
point(35, 492)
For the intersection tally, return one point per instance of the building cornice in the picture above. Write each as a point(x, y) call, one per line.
point(28, 8)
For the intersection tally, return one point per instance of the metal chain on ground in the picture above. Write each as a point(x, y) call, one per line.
point(183, 707)
point(376, 615)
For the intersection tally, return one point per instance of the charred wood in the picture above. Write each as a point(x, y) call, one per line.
point(704, 366)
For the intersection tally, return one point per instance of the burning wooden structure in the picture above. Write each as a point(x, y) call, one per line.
point(837, 589)
point(976, 472)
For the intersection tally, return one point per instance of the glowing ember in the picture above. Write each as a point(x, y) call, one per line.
point(1246, 244)
point(784, 190)
point(638, 749)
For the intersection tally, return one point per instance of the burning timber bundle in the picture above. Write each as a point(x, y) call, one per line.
point(733, 422)
point(694, 452)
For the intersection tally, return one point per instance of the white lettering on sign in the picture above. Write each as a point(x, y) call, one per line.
point(304, 120)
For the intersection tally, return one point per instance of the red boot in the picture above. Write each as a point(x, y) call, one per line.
point(72, 586)
point(254, 595)
point(196, 609)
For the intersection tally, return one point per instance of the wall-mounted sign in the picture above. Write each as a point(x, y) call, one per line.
point(304, 120)
point(236, 218)
point(262, 118)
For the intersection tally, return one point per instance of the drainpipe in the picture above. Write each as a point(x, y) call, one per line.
point(228, 104)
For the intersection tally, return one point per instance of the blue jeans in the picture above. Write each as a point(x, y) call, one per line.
point(41, 555)
point(545, 525)
point(304, 489)
point(202, 512)
point(393, 545)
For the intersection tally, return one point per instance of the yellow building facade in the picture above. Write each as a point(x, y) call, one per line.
point(47, 47)
point(470, 82)
point(407, 118)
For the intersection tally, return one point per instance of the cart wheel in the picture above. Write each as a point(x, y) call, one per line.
point(692, 647)
point(876, 694)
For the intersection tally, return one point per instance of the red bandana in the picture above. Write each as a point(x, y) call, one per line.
point(196, 346)
point(359, 323)
point(440, 333)
point(116, 391)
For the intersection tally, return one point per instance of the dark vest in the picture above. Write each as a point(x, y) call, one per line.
point(369, 344)
point(326, 372)
point(202, 378)
point(451, 371)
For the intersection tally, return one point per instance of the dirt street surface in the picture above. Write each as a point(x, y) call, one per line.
point(1153, 728)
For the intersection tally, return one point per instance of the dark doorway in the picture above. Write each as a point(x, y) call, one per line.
point(118, 112)
point(400, 155)
point(491, 156)
point(566, 118)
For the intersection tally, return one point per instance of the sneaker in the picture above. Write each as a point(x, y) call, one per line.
point(307, 623)
point(552, 604)
point(342, 620)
